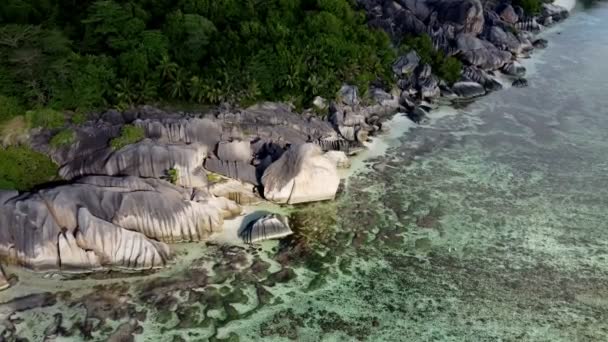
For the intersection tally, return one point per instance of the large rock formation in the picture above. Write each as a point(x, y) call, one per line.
point(268, 227)
point(103, 221)
point(4, 281)
point(147, 159)
point(465, 15)
point(481, 53)
point(302, 174)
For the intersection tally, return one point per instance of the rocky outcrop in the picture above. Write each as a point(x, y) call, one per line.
point(104, 222)
point(468, 89)
point(465, 15)
point(507, 13)
point(481, 53)
point(4, 281)
point(147, 159)
point(302, 174)
point(268, 227)
point(339, 159)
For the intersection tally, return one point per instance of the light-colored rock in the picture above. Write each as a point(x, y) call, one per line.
point(349, 95)
point(507, 13)
point(466, 15)
point(468, 89)
point(481, 53)
point(148, 159)
point(514, 69)
point(239, 192)
point(319, 103)
point(405, 65)
point(266, 228)
point(4, 281)
point(339, 158)
point(302, 174)
point(100, 222)
point(235, 151)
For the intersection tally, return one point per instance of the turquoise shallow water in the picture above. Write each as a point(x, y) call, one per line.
point(489, 224)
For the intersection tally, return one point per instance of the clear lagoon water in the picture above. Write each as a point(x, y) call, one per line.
point(490, 223)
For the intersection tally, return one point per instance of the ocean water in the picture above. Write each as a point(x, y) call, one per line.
point(489, 223)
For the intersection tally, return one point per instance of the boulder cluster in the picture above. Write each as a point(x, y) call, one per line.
point(486, 36)
point(121, 207)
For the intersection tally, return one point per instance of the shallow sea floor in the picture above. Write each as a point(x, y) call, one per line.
point(488, 224)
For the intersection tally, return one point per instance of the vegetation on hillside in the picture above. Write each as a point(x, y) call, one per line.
point(22, 168)
point(68, 55)
point(448, 68)
point(129, 134)
point(530, 7)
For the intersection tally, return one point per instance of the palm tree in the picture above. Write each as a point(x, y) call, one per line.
point(197, 89)
point(125, 93)
point(179, 85)
point(167, 68)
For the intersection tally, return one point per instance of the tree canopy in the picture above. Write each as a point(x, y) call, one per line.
point(86, 54)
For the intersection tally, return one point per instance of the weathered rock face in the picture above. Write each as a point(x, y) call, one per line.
point(405, 65)
point(555, 12)
point(148, 159)
point(477, 75)
point(507, 13)
point(481, 53)
point(266, 228)
point(514, 69)
point(468, 89)
point(302, 174)
point(4, 282)
point(104, 222)
point(504, 40)
point(466, 15)
point(339, 159)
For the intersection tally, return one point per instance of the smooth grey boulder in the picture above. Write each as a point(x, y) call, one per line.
point(405, 65)
point(514, 69)
point(239, 192)
point(504, 40)
point(418, 7)
point(4, 281)
point(233, 169)
point(268, 227)
point(349, 95)
point(553, 11)
point(466, 15)
point(100, 222)
point(468, 89)
point(302, 174)
point(235, 151)
point(480, 76)
point(203, 131)
point(507, 13)
point(147, 159)
point(481, 53)
point(339, 158)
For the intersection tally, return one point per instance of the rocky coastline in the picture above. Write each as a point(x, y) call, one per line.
point(121, 208)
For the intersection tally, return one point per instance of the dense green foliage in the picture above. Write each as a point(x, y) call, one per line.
point(448, 68)
point(173, 175)
point(22, 168)
point(530, 6)
point(129, 134)
point(63, 138)
point(9, 108)
point(46, 118)
point(80, 55)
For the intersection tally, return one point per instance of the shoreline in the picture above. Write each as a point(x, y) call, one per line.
point(399, 124)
